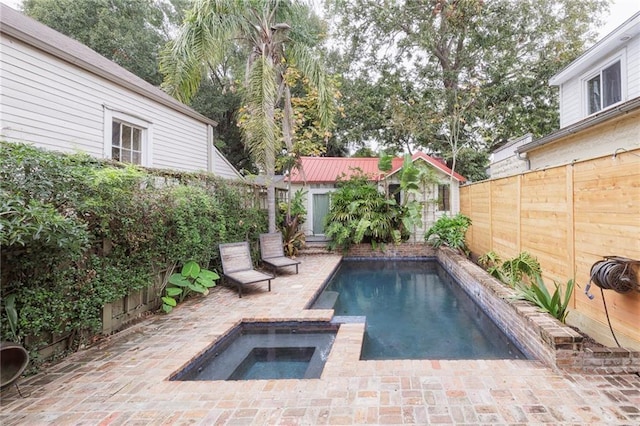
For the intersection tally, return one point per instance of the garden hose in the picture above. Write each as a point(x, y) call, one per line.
point(612, 273)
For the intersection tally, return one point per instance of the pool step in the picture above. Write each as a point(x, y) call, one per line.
point(326, 300)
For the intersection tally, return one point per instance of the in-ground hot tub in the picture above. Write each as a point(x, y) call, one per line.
point(263, 351)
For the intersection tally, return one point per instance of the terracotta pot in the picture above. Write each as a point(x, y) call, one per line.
point(13, 360)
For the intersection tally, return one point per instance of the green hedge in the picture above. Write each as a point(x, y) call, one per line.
point(77, 232)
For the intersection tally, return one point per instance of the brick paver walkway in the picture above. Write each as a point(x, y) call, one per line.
point(123, 380)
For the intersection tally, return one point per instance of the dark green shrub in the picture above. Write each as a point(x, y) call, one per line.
point(77, 233)
point(361, 213)
point(449, 231)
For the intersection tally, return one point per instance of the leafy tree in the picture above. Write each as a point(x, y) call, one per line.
point(451, 75)
point(130, 33)
point(273, 36)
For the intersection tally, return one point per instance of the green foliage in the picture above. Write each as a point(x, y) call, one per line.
point(555, 304)
point(449, 231)
point(455, 76)
point(511, 271)
point(12, 315)
point(290, 32)
point(292, 214)
point(130, 33)
point(192, 279)
point(78, 233)
point(360, 213)
point(523, 273)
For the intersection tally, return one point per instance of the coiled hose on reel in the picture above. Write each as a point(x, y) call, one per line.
point(613, 273)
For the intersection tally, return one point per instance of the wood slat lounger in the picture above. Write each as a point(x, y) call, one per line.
point(272, 252)
point(238, 267)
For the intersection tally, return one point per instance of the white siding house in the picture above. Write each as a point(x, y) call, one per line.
point(599, 107)
point(605, 76)
point(58, 94)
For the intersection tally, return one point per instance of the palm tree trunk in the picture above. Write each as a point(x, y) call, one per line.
point(271, 191)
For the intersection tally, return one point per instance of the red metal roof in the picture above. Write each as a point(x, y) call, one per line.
point(327, 169)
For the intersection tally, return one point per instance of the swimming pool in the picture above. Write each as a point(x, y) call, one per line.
point(413, 310)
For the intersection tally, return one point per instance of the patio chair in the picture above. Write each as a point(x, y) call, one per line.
point(272, 252)
point(238, 267)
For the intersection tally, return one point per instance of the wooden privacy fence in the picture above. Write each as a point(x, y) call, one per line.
point(568, 217)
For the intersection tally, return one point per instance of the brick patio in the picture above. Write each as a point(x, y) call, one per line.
point(123, 380)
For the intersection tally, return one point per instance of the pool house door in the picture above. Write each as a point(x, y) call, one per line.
point(320, 210)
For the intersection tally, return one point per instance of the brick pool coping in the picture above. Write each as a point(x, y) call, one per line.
point(540, 335)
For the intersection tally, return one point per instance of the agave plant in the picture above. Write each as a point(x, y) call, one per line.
point(555, 304)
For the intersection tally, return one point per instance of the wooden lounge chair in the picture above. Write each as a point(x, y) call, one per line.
point(272, 252)
point(238, 267)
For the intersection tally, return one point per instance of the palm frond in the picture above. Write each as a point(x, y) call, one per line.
point(205, 38)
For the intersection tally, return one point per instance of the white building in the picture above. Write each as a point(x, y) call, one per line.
point(58, 94)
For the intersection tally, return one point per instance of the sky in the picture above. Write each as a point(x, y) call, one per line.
point(621, 10)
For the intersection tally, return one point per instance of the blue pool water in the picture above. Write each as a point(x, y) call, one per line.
point(274, 363)
point(414, 310)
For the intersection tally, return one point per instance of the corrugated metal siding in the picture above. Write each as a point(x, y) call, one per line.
point(327, 169)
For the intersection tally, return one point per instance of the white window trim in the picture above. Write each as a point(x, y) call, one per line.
point(597, 70)
point(147, 133)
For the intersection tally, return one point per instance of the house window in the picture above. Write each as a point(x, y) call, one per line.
point(126, 142)
point(605, 89)
point(127, 138)
point(443, 197)
point(394, 191)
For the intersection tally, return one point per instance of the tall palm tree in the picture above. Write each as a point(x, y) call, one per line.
point(275, 35)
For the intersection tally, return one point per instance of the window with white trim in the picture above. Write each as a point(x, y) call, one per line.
point(127, 138)
point(126, 142)
point(605, 88)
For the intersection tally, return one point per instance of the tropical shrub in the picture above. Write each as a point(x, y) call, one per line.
point(449, 231)
point(512, 271)
point(361, 213)
point(291, 215)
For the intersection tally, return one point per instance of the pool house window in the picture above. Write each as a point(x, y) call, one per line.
point(444, 198)
point(605, 88)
